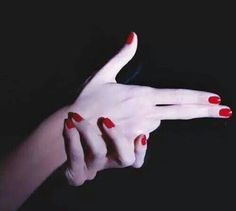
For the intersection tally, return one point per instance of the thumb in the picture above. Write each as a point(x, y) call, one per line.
point(109, 71)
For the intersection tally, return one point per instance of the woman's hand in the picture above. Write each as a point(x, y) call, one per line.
point(135, 108)
point(87, 152)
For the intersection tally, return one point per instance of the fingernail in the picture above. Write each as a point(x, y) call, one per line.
point(69, 123)
point(226, 112)
point(130, 38)
point(144, 140)
point(75, 116)
point(214, 100)
point(108, 123)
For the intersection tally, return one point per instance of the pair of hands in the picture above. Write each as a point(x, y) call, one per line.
point(135, 110)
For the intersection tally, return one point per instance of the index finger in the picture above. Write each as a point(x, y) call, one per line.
point(177, 96)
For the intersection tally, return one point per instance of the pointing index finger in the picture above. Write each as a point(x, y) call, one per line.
point(183, 96)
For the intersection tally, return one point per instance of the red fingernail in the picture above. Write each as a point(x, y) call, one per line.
point(226, 112)
point(108, 123)
point(130, 38)
point(214, 100)
point(75, 116)
point(144, 140)
point(69, 123)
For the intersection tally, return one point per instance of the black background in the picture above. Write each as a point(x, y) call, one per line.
point(49, 50)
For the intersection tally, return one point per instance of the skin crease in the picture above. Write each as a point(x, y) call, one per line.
point(133, 109)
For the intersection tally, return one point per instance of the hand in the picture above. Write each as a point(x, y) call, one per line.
point(88, 153)
point(134, 108)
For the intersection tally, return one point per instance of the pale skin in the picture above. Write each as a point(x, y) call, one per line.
point(133, 109)
point(82, 166)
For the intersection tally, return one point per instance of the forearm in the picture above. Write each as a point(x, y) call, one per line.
point(33, 161)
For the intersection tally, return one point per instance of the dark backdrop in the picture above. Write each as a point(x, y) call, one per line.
point(47, 52)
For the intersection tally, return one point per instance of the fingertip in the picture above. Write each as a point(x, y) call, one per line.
point(69, 123)
point(129, 48)
point(68, 130)
point(108, 123)
point(144, 140)
point(225, 112)
point(131, 38)
point(75, 116)
point(140, 141)
point(214, 99)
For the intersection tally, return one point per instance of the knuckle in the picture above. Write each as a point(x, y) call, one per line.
point(92, 175)
point(71, 135)
point(142, 91)
point(127, 160)
point(78, 182)
point(100, 153)
point(179, 93)
point(76, 156)
point(74, 180)
point(69, 175)
point(209, 112)
point(137, 165)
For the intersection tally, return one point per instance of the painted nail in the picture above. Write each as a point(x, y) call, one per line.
point(214, 100)
point(226, 112)
point(130, 38)
point(75, 116)
point(69, 123)
point(144, 140)
point(108, 123)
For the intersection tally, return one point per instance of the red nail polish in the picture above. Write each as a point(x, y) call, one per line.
point(144, 140)
point(226, 112)
point(69, 123)
point(214, 100)
point(75, 116)
point(130, 38)
point(108, 123)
